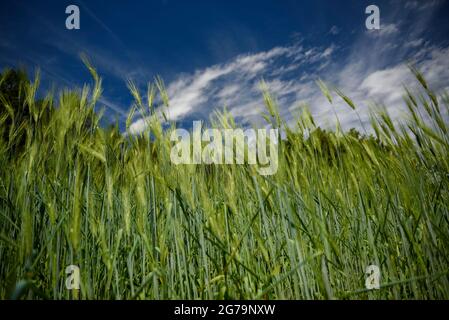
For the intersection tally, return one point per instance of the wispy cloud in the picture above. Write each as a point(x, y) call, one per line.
point(236, 84)
point(422, 5)
point(375, 70)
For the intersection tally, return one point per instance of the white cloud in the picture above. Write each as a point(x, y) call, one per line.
point(386, 29)
point(138, 126)
point(328, 52)
point(372, 70)
point(386, 84)
point(188, 93)
point(233, 84)
point(414, 43)
point(228, 91)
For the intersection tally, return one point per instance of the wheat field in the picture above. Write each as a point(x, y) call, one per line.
point(73, 192)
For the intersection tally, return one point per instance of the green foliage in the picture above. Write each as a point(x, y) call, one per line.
point(140, 227)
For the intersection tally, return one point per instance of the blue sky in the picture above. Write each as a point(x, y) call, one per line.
point(215, 53)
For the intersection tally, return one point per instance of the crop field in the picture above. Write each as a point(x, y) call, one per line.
point(75, 193)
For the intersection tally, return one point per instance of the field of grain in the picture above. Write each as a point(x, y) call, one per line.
point(139, 227)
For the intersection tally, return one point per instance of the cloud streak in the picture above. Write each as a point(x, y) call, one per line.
point(374, 70)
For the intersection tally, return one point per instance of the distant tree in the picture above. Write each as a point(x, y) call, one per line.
point(355, 134)
point(12, 102)
point(12, 82)
point(15, 111)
